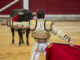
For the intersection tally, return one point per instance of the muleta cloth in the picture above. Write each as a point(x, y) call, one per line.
point(62, 52)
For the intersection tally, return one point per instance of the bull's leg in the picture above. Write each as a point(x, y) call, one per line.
point(27, 36)
point(12, 30)
point(20, 37)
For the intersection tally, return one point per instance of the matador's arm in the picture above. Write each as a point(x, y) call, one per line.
point(23, 25)
point(60, 34)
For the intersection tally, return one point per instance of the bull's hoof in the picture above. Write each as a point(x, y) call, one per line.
point(12, 41)
point(27, 44)
point(23, 42)
point(19, 43)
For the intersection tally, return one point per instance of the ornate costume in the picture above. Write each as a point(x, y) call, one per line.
point(40, 31)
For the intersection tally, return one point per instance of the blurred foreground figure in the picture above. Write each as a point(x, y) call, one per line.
point(40, 31)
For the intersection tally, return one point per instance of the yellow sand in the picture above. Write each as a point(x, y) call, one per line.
point(16, 52)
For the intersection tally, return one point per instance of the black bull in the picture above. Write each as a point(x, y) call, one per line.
point(27, 16)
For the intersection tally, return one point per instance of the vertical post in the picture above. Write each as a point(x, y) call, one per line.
point(26, 4)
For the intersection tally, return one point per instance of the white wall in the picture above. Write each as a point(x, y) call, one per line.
point(62, 17)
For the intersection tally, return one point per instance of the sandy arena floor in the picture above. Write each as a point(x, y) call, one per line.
point(16, 52)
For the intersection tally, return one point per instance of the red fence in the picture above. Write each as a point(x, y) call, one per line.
point(49, 6)
point(56, 6)
point(6, 6)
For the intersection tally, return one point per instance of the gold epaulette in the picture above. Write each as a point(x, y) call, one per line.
point(48, 25)
point(33, 24)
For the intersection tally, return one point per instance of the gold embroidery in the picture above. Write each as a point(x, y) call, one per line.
point(40, 25)
point(32, 24)
point(40, 33)
point(48, 25)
